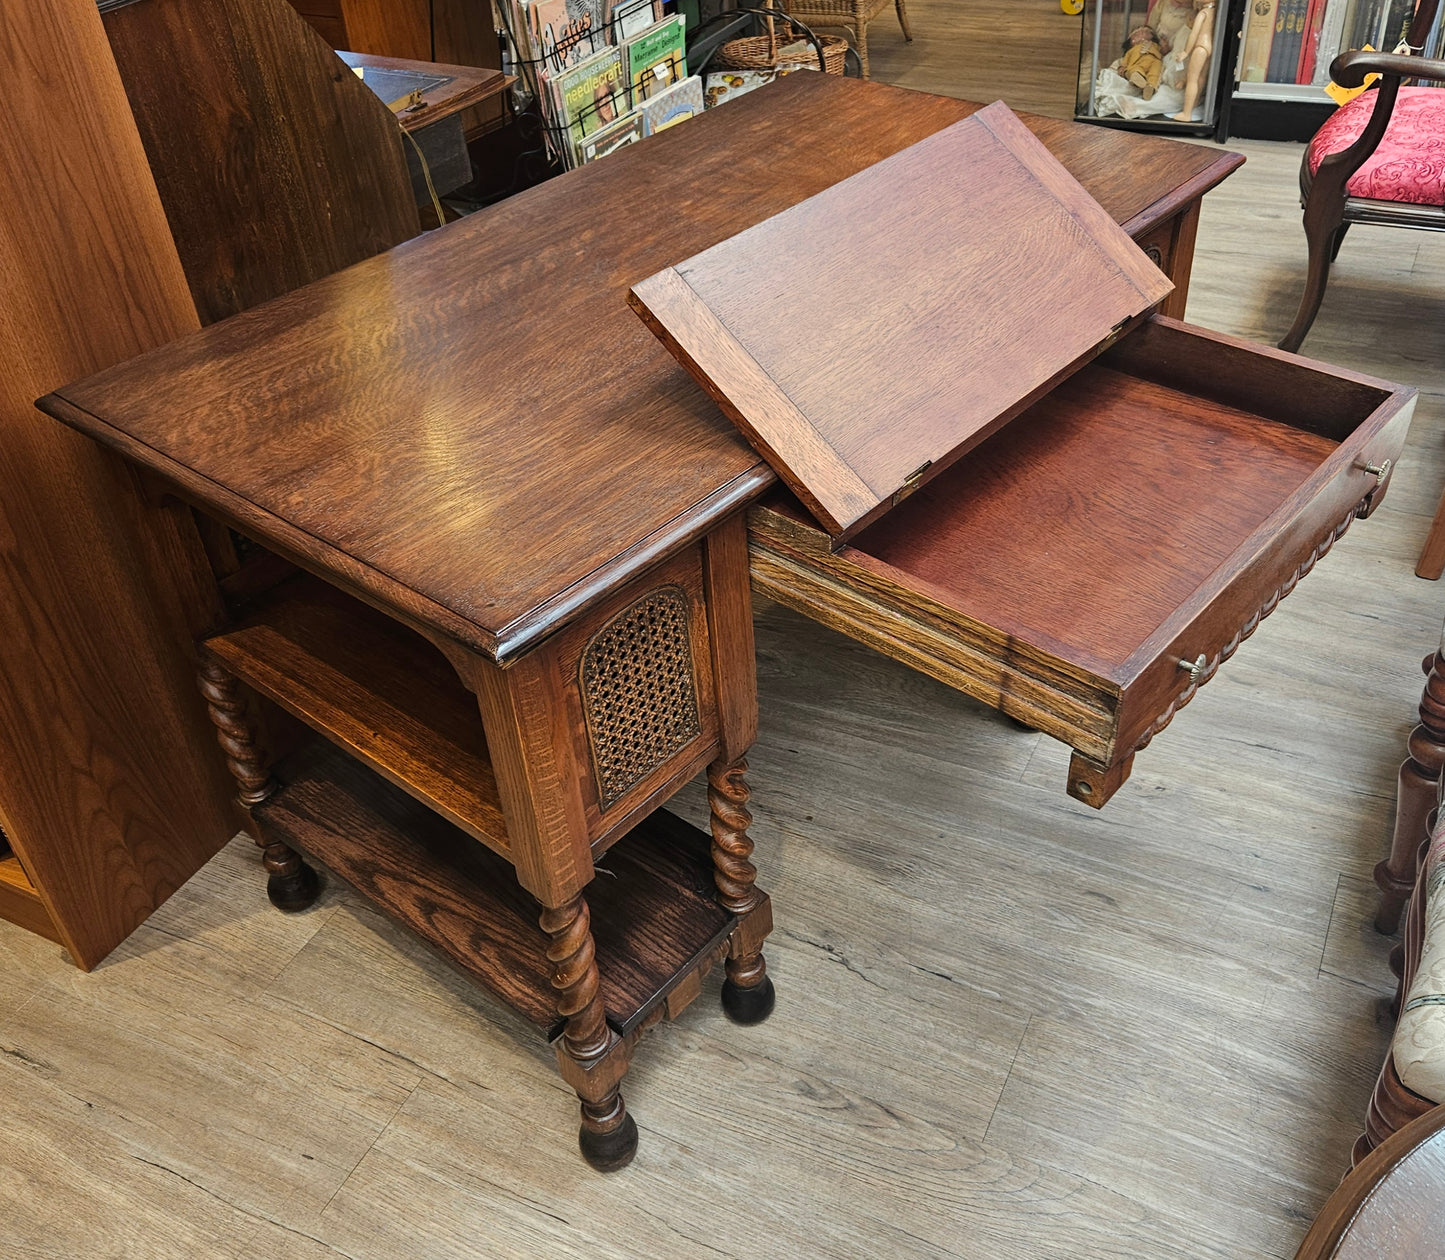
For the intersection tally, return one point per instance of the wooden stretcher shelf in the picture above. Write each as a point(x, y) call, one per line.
point(374, 688)
point(655, 919)
point(1138, 520)
point(20, 902)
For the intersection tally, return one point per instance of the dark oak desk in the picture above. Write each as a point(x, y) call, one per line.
point(479, 485)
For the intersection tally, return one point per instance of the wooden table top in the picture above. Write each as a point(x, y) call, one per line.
point(461, 86)
point(1391, 1206)
point(472, 429)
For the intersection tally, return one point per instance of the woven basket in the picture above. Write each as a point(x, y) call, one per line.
point(763, 52)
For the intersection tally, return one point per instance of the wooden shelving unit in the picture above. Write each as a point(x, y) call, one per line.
point(655, 919)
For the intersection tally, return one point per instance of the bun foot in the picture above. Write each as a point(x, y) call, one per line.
point(610, 1151)
point(294, 891)
point(749, 1006)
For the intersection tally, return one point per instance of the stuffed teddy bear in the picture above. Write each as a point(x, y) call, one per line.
point(1143, 60)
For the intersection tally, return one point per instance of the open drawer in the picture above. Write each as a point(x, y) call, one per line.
point(1001, 468)
point(1091, 564)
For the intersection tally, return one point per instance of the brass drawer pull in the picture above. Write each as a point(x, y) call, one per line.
point(1196, 668)
point(1380, 471)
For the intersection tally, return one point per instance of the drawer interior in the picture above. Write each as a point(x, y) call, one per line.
point(1092, 518)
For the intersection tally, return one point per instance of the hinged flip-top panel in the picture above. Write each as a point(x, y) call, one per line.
point(867, 337)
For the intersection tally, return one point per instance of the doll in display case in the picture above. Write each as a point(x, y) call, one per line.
point(1143, 61)
point(1197, 53)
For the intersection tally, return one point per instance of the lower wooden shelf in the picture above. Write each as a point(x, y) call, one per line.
point(19, 901)
point(654, 918)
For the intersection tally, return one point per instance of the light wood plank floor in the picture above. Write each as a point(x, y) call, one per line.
point(1008, 1026)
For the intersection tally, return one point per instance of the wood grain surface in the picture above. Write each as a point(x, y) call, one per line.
point(466, 387)
point(863, 340)
point(110, 790)
point(275, 164)
point(1390, 1207)
point(654, 916)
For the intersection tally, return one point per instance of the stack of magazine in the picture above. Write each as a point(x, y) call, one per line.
point(605, 73)
point(1294, 41)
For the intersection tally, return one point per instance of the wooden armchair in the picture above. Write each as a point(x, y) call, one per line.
point(852, 15)
point(1379, 159)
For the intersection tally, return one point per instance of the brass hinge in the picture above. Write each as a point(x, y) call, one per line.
point(1115, 333)
point(911, 482)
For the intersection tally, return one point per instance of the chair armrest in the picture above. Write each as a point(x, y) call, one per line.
point(1350, 68)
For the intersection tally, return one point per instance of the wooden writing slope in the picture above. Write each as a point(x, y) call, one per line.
point(1094, 540)
point(499, 564)
point(977, 273)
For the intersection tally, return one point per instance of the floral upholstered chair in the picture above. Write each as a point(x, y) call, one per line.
point(1412, 1080)
point(1378, 159)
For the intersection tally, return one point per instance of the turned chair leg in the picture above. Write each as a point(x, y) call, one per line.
point(592, 1058)
point(902, 10)
point(291, 884)
point(1419, 785)
point(748, 995)
point(1432, 556)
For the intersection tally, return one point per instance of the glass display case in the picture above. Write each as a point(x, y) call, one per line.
point(1156, 65)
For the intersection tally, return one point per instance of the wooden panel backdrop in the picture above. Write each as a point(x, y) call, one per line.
point(275, 163)
point(111, 791)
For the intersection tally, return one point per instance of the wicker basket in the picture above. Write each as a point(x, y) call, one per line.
point(764, 52)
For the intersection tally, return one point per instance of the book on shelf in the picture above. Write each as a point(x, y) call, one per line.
point(1258, 40)
point(1310, 41)
point(668, 108)
point(655, 59)
point(1283, 30)
point(1331, 42)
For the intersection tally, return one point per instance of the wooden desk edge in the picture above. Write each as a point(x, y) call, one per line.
point(386, 593)
point(1224, 165)
point(479, 83)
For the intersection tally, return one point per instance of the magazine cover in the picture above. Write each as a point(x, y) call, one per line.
point(627, 18)
point(677, 104)
point(589, 96)
point(612, 137)
point(655, 59)
point(562, 35)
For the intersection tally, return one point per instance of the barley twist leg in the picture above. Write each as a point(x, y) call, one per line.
point(1419, 783)
point(748, 995)
point(291, 884)
point(608, 1136)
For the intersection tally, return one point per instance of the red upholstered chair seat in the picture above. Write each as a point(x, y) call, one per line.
point(1409, 164)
